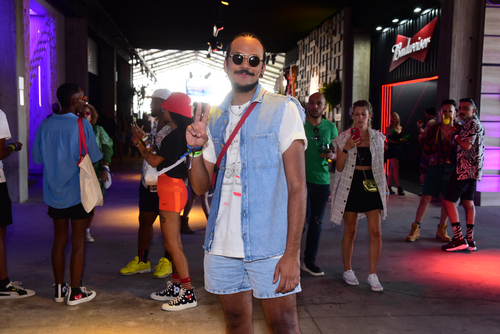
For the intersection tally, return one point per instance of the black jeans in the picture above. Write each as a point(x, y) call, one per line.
point(317, 197)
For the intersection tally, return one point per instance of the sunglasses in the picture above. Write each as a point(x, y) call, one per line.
point(83, 98)
point(238, 58)
point(316, 131)
point(85, 113)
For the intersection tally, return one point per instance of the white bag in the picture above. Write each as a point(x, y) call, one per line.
point(150, 174)
point(108, 182)
point(90, 190)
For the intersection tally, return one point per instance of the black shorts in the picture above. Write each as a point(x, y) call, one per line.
point(360, 200)
point(148, 201)
point(463, 189)
point(5, 206)
point(75, 212)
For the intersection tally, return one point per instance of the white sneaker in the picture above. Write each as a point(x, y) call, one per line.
point(88, 237)
point(350, 278)
point(374, 282)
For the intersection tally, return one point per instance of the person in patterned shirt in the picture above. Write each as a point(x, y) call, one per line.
point(470, 160)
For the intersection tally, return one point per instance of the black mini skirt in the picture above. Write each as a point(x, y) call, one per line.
point(360, 200)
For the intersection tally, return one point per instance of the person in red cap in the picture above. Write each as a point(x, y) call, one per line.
point(172, 193)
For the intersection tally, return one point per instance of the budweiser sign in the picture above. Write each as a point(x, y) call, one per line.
point(415, 47)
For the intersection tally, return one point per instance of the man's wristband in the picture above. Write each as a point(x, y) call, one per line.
point(106, 167)
point(14, 146)
point(345, 151)
point(197, 153)
point(137, 144)
point(145, 138)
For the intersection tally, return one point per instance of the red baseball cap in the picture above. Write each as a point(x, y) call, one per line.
point(178, 103)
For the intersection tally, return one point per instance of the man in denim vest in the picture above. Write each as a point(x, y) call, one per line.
point(258, 208)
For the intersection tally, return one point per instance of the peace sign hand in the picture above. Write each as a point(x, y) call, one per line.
point(196, 132)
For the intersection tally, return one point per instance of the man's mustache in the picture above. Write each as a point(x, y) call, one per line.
point(244, 72)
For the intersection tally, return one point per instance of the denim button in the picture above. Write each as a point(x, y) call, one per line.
point(225, 122)
point(221, 145)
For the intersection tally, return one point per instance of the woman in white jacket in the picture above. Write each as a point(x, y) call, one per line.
point(360, 160)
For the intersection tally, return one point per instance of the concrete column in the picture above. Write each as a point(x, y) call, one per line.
point(347, 68)
point(76, 52)
point(361, 67)
point(107, 74)
point(460, 45)
point(12, 69)
point(125, 89)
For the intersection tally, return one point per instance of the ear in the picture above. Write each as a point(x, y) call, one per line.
point(225, 65)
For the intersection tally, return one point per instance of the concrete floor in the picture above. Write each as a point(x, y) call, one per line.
point(425, 289)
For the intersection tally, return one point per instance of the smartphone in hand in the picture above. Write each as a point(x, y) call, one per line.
point(355, 133)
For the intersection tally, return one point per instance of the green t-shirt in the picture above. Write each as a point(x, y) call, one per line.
point(316, 167)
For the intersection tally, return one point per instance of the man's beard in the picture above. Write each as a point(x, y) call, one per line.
point(314, 116)
point(237, 88)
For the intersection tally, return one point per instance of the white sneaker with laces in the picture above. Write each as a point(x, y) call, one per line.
point(350, 278)
point(88, 237)
point(374, 282)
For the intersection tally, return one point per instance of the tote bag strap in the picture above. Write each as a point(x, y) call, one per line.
point(82, 143)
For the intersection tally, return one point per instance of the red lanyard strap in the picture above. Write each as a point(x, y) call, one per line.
point(82, 143)
point(230, 139)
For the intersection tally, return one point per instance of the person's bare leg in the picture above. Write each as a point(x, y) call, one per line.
point(444, 216)
point(396, 171)
point(237, 309)
point(470, 211)
point(350, 230)
point(451, 210)
point(189, 204)
point(422, 207)
point(3, 257)
point(204, 204)
point(146, 221)
point(61, 228)
point(171, 230)
point(89, 222)
point(281, 314)
point(78, 227)
point(375, 232)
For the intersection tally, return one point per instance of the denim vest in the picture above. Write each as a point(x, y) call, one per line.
point(264, 198)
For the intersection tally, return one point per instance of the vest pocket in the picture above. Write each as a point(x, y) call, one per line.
point(265, 151)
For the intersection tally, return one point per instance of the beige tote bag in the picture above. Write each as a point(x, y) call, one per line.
point(90, 190)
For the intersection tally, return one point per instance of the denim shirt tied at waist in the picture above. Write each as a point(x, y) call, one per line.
point(264, 198)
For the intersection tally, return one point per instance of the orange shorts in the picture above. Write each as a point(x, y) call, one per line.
point(172, 193)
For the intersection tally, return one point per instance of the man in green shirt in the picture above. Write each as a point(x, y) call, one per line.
point(320, 133)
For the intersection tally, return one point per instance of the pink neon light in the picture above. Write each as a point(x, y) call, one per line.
point(386, 104)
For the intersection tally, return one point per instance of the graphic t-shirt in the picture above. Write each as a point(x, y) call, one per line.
point(227, 235)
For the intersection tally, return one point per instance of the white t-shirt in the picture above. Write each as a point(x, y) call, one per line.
point(227, 239)
point(4, 134)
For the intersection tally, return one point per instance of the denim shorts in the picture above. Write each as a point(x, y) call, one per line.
point(227, 275)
